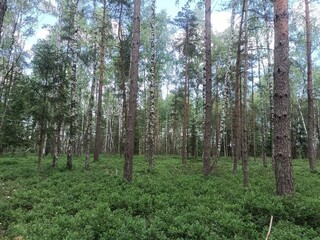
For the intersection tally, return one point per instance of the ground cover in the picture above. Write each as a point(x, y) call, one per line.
point(172, 202)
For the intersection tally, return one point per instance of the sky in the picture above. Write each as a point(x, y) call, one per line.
point(220, 20)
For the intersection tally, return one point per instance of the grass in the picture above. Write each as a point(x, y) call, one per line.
point(172, 202)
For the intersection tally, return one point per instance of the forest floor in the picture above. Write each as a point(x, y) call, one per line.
point(172, 202)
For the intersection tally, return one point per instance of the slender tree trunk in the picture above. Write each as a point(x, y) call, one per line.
point(58, 114)
point(3, 9)
point(282, 139)
point(207, 146)
point(98, 139)
point(88, 130)
point(122, 43)
point(253, 118)
point(151, 136)
point(185, 99)
point(270, 80)
point(237, 110)
point(217, 111)
point(174, 132)
point(42, 145)
point(227, 84)
point(131, 120)
point(244, 103)
point(263, 112)
point(73, 93)
point(311, 138)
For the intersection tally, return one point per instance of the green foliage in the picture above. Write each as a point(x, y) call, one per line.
point(172, 202)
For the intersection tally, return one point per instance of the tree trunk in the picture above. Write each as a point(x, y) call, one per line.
point(311, 138)
point(3, 9)
point(185, 99)
point(88, 130)
point(207, 146)
point(217, 112)
point(98, 139)
point(226, 89)
point(131, 120)
point(237, 107)
point(151, 135)
point(73, 92)
point(263, 112)
point(244, 102)
point(270, 80)
point(281, 133)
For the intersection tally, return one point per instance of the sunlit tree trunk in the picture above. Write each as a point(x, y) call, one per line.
point(98, 139)
point(311, 138)
point(131, 120)
point(207, 145)
point(227, 84)
point(88, 128)
point(281, 133)
point(73, 90)
point(151, 135)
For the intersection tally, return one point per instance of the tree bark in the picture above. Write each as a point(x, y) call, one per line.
point(3, 9)
point(185, 98)
point(281, 133)
point(151, 135)
point(226, 89)
point(244, 102)
point(88, 130)
point(131, 120)
point(237, 107)
point(98, 140)
point(207, 145)
point(269, 80)
point(311, 138)
point(73, 91)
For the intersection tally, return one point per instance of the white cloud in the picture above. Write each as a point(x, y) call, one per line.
point(42, 33)
point(220, 21)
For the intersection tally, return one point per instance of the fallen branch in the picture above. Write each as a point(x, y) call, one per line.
point(270, 226)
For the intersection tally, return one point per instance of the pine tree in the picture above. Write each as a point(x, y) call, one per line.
point(207, 146)
point(281, 132)
point(311, 138)
point(131, 119)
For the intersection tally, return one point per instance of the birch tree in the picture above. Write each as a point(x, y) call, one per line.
point(73, 87)
point(151, 135)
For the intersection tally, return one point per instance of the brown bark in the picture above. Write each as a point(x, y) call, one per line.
point(185, 99)
point(244, 103)
point(281, 133)
point(98, 139)
point(311, 138)
point(237, 107)
point(207, 146)
point(131, 120)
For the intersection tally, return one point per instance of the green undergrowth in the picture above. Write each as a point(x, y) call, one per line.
point(171, 202)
